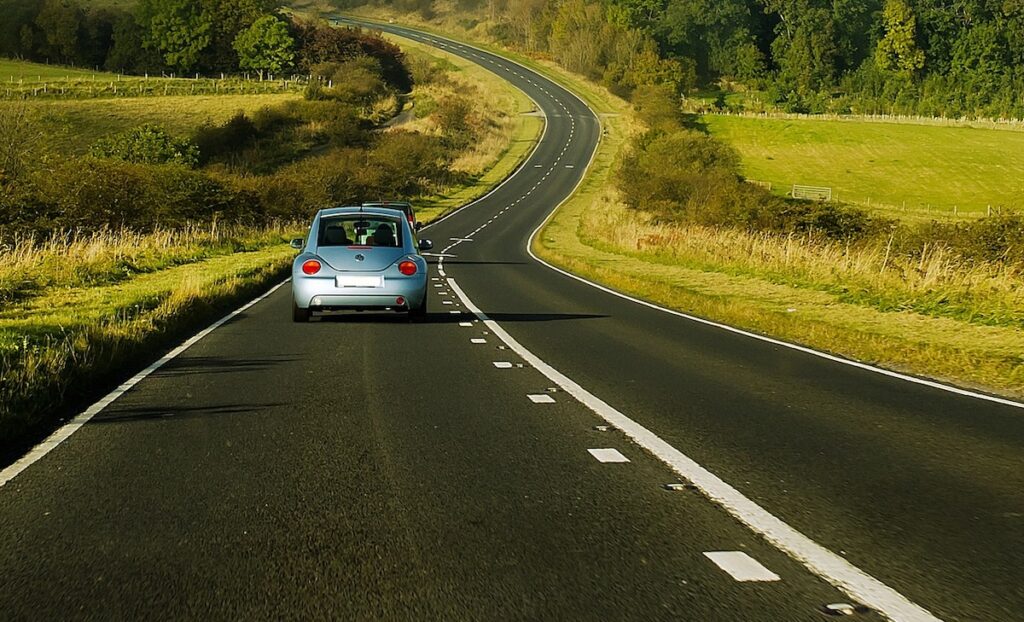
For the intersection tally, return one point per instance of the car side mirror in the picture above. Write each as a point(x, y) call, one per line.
point(298, 243)
point(426, 245)
point(419, 226)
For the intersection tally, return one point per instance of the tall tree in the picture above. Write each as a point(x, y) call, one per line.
point(61, 22)
point(227, 19)
point(898, 51)
point(266, 46)
point(177, 30)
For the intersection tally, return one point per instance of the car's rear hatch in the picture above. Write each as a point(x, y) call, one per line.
point(360, 258)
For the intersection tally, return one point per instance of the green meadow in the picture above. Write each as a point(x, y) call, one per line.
point(16, 70)
point(902, 170)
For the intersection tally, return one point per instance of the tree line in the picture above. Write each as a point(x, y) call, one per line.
point(182, 36)
point(928, 57)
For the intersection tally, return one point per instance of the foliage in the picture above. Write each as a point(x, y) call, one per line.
point(897, 51)
point(60, 22)
point(918, 57)
point(147, 144)
point(266, 46)
point(319, 44)
point(178, 30)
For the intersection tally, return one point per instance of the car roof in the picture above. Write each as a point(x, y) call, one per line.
point(386, 203)
point(379, 211)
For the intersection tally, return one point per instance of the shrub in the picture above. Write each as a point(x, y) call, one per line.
point(691, 177)
point(147, 144)
point(235, 134)
point(358, 81)
point(453, 116)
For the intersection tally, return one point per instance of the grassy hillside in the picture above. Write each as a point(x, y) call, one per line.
point(16, 70)
point(929, 169)
point(73, 125)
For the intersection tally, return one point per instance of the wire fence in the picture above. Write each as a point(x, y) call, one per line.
point(992, 123)
point(107, 86)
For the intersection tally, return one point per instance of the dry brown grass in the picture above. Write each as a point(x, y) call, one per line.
point(29, 267)
point(938, 282)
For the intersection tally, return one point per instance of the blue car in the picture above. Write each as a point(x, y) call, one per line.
point(359, 258)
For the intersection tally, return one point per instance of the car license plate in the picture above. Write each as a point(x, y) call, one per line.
point(351, 280)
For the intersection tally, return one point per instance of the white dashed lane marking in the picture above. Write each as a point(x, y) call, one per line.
point(741, 566)
point(541, 399)
point(608, 455)
point(478, 341)
point(503, 364)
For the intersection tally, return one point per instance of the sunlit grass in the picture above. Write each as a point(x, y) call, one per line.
point(914, 172)
point(81, 326)
point(72, 126)
point(12, 71)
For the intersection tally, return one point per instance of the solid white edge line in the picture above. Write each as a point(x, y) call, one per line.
point(792, 346)
point(66, 430)
point(840, 573)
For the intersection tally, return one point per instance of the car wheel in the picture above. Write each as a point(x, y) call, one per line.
point(299, 314)
point(420, 312)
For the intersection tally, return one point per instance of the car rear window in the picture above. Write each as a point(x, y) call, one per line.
point(360, 230)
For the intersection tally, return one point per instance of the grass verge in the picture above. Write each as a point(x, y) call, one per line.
point(976, 341)
point(62, 345)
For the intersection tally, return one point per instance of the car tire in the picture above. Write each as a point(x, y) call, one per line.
point(299, 314)
point(420, 312)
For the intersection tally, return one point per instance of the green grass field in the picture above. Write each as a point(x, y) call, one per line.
point(72, 126)
point(15, 70)
point(928, 169)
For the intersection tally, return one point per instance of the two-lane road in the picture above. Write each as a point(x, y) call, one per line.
point(364, 467)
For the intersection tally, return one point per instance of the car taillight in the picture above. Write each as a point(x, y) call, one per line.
point(311, 267)
point(407, 268)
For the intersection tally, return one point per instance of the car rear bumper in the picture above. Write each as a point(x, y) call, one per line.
point(321, 295)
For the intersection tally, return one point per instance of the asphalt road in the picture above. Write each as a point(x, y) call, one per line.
point(362, 467)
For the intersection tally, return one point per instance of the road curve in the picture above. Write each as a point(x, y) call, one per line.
point(364, 467)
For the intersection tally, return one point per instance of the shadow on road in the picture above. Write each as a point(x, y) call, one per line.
point(186, 365)
point(122, 415)
point(350, 317)
point(457, 262)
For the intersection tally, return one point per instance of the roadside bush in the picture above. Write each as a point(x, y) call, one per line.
point(681, 176)
point(268, 119)
point(319, 43)
point(409, 164)
point(358, 81)
point(686, 176)
point(235, 134)
point(453, 116)
point(659, 108)
point(90, 194)
point(147, 144)
point(998, 238)
point(340, 123)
